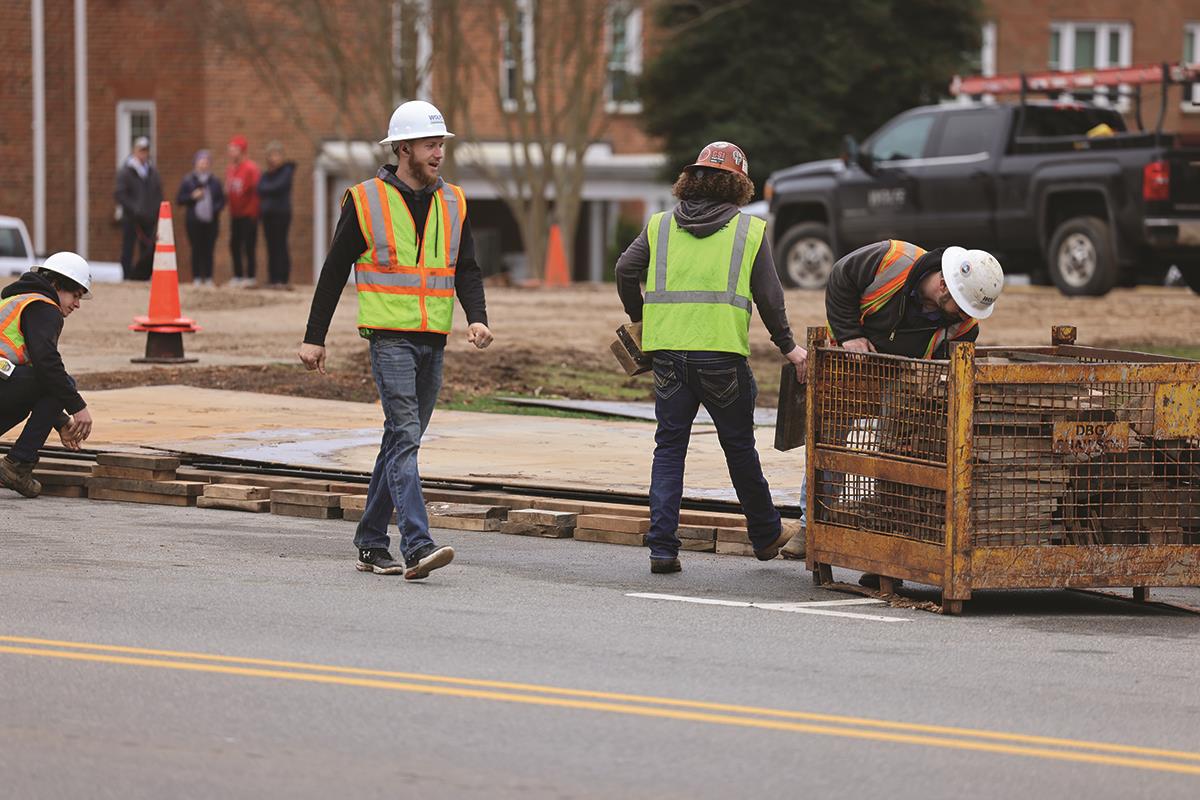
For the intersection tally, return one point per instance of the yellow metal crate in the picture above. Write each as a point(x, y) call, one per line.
point(1005, 468)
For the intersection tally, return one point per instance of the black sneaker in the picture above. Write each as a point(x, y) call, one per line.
point(426, 560)
point(664, 566)
point(379, 561)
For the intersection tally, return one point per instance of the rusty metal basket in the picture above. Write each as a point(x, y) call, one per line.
point(1005, 467)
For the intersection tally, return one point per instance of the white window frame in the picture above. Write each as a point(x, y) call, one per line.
point(987, 50)
point(125, 110)
point(1104, 29)
point(632, 64)
point(524, 9)
point(1191, 31)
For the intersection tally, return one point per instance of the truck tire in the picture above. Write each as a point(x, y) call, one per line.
point(1080, 259)
point(804, 257)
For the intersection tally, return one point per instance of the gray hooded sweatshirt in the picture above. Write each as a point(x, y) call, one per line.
point(703, 218)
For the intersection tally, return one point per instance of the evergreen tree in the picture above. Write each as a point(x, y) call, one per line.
point(786, 79)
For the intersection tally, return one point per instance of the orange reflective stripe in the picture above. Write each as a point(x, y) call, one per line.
point(411, 290)
point(361, 210)
point(441, 196)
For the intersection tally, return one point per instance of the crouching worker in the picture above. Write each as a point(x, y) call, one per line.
point(704, 263)
point(34, 385)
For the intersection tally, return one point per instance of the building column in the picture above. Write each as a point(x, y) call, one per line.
point(597, 243)
point(320, 239)
point(38, 29)
point(81, 129)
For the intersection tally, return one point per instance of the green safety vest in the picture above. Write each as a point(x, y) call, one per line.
point(698, 289)
point(12, 341)
point(397, 289)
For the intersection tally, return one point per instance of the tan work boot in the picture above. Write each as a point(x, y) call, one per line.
point(18, 476)
point(772, 550)
point(795, 547)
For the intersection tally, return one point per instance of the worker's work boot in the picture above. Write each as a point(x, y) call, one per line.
point(665, 566)
point(18, 476)
point(772, 550)
point(795, 548)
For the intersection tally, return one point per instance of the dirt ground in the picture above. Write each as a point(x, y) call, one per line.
point(548, 342)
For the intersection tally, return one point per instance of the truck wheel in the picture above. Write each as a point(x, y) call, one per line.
point(804, 256)
point(1080, 260)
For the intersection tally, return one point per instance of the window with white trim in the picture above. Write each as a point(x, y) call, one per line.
point(516, 44)
point(412, 49)
point(134, 118)
point(1091, 45)
point(624, 57)
point(1191, 55)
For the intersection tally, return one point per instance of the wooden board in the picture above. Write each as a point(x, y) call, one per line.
point(186, 488)
point(608, 522)
point(151, 498)
point(233, 491)
point(299, 497)
point(534, 529)
point(230, 504)
point(608, 537)
point(467, 511)
point(738, 535)
point(533, 516)
point(733, 548)
point(465, 523)
point(696, 533)
point(53, 477)
point(308, 512)
point(133, 473)
point(157, 463)
point(59, 490)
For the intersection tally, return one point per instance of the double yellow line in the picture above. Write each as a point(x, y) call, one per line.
point(941, 736)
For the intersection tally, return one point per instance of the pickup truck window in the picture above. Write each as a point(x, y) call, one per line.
point(905, 139)
point(11, 245)
point(1041, 121)
point(968, 133)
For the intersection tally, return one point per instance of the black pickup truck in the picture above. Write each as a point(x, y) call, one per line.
point(1061, 191)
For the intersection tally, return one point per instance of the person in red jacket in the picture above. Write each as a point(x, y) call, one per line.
point(241, 187)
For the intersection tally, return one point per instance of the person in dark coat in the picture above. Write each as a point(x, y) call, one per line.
point(275, 206)
point(34, 385)
point(201, 194)
point(139, 194)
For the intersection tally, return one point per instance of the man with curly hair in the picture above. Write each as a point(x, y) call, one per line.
point(703, 264)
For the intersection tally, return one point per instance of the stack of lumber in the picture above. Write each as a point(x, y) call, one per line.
point(141, 479)
point(466, 516)
point(305, 503)
point(63, 478)
point(611, 529)
point(535, 522)
point(235, 497)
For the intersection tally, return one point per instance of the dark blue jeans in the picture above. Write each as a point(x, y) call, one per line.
point(409, 377)
point(21, 396)
point(724, 385)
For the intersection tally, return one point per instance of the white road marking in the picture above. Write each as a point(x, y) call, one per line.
point(819, 607)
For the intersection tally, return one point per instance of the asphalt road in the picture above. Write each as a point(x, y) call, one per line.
point(160, 652)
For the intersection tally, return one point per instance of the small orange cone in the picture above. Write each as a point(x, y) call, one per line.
point(556, 260)
point(165, 324)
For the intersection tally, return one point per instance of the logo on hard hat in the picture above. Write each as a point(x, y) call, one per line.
point(965, 269)
point(436, 119)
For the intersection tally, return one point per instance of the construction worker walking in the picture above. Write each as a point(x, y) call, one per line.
point(703, 264)
point(894, 297)
point(406, 234)
point(34, 385)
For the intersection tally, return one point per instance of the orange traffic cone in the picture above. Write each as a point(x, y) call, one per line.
point(556, 260)
point(165, 324)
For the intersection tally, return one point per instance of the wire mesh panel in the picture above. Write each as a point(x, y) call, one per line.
point(1081, 464)
point(893, 410)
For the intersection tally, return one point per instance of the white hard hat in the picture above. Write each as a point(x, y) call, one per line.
point(974, 278)
point(415, 119)
point(70, 265)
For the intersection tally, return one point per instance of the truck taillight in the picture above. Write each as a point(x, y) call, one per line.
point(1156, 181)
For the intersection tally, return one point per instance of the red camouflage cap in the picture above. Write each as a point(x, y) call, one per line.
point(723, 155)
point(239, 141)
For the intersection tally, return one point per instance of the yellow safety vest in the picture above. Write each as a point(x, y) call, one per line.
point(398, 289)
point(698, 289)
point(12, 340)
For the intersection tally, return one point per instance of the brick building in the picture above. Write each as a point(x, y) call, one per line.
point(92, 75)
point(1041, 35)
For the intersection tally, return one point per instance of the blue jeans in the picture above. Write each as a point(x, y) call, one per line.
point(409, 376)
point(724, 385)
point(21, 396)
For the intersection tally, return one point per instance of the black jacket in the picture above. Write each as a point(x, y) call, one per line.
point(348, 244)
point(899, 327)
point(191, 183)
point(275, 189)
point(41, 325)
point(139, 197)
point(704, 219)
